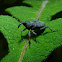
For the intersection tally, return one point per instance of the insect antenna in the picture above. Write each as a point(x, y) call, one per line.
point(21, 23)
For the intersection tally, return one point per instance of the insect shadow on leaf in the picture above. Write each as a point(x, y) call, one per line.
point(37, 25)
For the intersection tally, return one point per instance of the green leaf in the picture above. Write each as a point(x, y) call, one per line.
point(30, 13)
point(47, 41)
point(19, 11)
point(9, 28)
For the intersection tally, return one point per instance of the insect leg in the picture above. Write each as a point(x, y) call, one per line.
point(29, 37)
point(21, 31)
point(47, 27)
point(50, 29)
point(34, 34)
point(19, 25)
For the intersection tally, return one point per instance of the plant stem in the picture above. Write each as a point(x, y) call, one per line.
point(41, 9)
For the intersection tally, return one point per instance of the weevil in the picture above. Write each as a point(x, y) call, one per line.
point(34, 25)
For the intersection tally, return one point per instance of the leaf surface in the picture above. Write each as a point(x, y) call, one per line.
point(9, 28)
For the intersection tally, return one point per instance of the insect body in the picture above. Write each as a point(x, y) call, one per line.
point(34, 25)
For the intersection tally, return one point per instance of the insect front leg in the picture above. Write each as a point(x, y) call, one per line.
point(29, 34)
point(21, 23)
point(22, 31)
point(47, 27)
point(34, 34)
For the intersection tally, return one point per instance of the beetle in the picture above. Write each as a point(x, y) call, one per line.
point(34, 25)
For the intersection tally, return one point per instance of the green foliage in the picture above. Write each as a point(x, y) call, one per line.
point(47, 41)
point(18, 11)
point(29, 13)
point(9, 27)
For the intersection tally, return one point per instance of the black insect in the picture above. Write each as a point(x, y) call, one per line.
point(34, 25)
